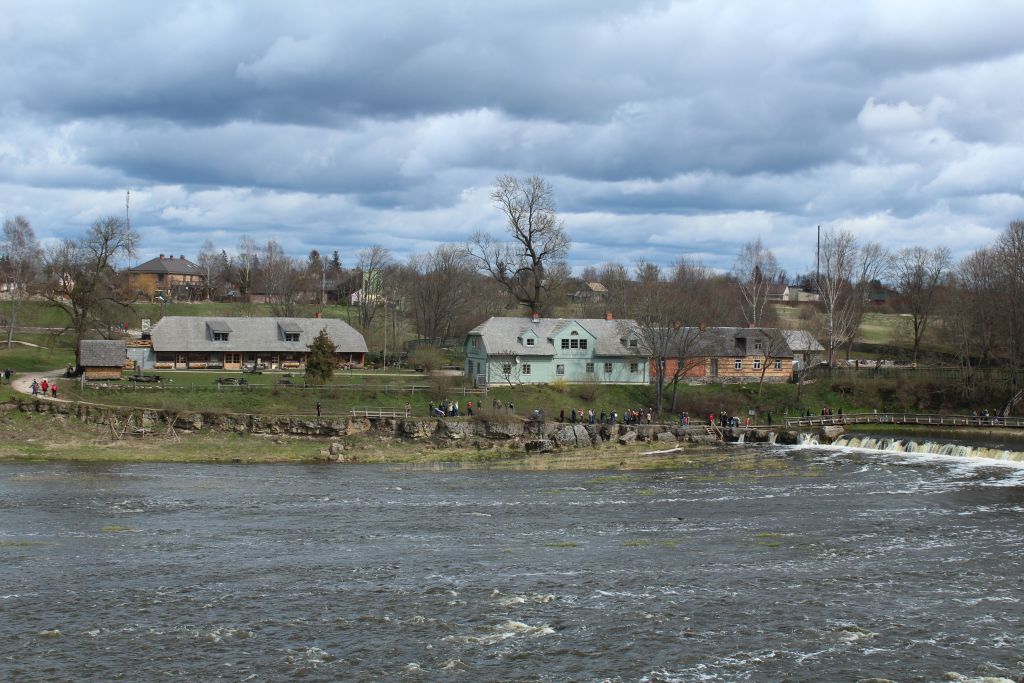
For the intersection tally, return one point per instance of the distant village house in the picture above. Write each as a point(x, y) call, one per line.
point(102, 358)
point(167, 276)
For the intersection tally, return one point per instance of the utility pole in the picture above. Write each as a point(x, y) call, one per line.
point(817, 260)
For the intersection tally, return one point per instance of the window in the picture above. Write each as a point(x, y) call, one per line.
point(574, 343)
point(583, 343)
point(530, 341)
point(757, 363)
point(632, 343)
point(478, 368)
point(474, 342)
point(506, 368)
point(559, 369)
point(738, 364)
point(526, 368)
point(757, 345)
point(608, 367)
point(220, 336)
point(590, 367)
point(778, 365)
point(565, 343)
point(634, 367)
point(291, 336)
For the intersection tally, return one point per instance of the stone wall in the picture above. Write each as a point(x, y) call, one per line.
point(532, 436)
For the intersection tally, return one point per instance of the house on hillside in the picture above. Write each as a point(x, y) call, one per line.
point(807, 351)
point(590, 292)
point(102, 358)
point(538, 350)
point(182, 342)
point(730, 355)
point(167, 276)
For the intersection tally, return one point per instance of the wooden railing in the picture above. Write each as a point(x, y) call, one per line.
point(380, 412)
point(906, 419)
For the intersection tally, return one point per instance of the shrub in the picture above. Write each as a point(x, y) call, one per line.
point(559, 385)
point(429, 358)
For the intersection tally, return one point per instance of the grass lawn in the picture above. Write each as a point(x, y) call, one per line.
point(29, 359)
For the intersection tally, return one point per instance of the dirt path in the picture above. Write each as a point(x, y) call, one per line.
point(22, 382)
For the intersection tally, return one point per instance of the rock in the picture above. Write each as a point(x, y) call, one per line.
point(415, 429)
point(831, 432)
point(336, 448)
point(540, 446)
point(665, 436)
point(627, 438)
point(572, 436)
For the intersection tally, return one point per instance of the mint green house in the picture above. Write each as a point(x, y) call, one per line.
point(540, 350)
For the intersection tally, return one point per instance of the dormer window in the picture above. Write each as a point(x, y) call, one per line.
point(530, 341)
point(290, 331)
point(219, 330)
point(633, 343)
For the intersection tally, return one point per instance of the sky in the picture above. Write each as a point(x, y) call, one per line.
point(666, 129)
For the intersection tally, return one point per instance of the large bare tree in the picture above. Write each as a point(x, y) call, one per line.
point(918, 274)
point(22, 259)
point(755, 270)
point(81, 279)
point(373, 264)
point(834, 282)
point(538, 240)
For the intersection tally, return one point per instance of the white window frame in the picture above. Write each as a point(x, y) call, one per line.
point(559, 370)
point(526, 368)
point(530, 341)
point(590, 368)
point(778, 363)
point(757, 363)
point(607, 368)
point(634, 367)
point(737, 364)
point(565, 343)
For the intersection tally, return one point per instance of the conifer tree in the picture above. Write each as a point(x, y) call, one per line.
point(320, 364)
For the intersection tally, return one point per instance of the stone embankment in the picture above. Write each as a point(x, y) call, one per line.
point(507, 432)
point(531, 436)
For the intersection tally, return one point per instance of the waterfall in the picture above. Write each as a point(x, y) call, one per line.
point(743, 438)
point(807, 439)
point(898, 445)
point(772, 436)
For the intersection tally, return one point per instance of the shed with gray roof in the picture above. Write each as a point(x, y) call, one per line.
point(102, 358)
point(181, 342)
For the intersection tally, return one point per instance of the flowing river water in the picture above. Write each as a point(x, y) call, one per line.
point(773, 563)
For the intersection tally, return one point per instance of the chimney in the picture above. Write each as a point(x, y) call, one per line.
point(536, 316)
point(608, 315)
point(676, 325)
point(181, 256)
point(161, 256)
point(703, 325)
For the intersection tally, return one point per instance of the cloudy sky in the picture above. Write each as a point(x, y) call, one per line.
point(666, 128)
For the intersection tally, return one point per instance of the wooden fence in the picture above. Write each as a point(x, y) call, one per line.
point(380, 412)
point(906, 419)
point(169, 385)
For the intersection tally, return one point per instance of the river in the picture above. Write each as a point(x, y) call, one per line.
point(777, 563)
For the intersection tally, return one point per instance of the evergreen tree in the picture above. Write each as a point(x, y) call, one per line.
point(320, 364)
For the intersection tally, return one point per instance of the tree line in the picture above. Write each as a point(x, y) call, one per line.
point(974, 306)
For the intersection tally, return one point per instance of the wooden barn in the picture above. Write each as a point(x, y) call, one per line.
point(102, 358)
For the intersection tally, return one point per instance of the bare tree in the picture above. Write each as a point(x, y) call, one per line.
point(283, 280)
point(438, 286)
point(245, 264)
point(1010, 251)
point(81, 277)
point(976, 312)
point(918, 274)
point(538, 240)
point(208, 261)
point(755, 270)
point(21, 261)
point(373, 264)
point(838, 257)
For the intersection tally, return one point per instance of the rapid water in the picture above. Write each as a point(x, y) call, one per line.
point(801, 564)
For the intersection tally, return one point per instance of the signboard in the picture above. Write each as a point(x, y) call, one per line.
point(145, 324)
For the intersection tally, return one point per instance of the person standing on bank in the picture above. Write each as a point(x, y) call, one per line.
point(318, 408)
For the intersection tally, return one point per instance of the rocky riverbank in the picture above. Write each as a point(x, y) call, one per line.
point(507, 433)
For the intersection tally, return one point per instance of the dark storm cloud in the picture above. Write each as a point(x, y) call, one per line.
point(666, 127)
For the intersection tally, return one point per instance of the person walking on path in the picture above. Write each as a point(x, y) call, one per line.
point(45, 386)
point(35, 388)
point(318, 408)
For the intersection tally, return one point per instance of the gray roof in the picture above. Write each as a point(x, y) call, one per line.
point(218, 326)
point(102, 353)
point(188, 333)
point(501, 335)
point(168, 264)
point(725, 342)
point(802, 341)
